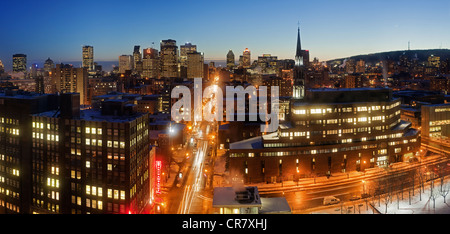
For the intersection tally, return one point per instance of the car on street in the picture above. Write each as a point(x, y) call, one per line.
point(330, 200)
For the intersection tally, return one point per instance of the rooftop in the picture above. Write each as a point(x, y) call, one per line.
point(252, 143)
point(275, 205)
point(94, 115)
point(236, 197)
point(355, 95)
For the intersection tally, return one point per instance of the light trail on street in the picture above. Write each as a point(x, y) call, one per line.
point(195, 180)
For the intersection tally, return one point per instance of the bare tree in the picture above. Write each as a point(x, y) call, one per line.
point(434, 194)
point(420, 172)
point(387, 200)
point(445, 189)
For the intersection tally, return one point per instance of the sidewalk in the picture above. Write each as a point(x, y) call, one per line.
point(395, 204)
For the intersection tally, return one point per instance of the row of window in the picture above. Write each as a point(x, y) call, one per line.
point(344, 109)
point(321, 151)
point(9, 121)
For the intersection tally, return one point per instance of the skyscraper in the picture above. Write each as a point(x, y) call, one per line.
point(125, 63)
point(150, 63)
point(195, 64)
point(230, 60)
point(2, 68)
point(169, 58)
point(48, 66)
point(246, 58)
point(88, 58)
point(19, 63)
point(184, 51)
point(137, 56)
point(299, 71)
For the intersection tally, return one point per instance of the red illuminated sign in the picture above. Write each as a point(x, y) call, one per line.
point(158, 177)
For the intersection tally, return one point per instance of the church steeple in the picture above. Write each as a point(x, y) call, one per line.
point(299, 44)
point(299, 71)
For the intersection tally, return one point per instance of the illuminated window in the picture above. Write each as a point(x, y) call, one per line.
point(362, 108)
point(316, 111)
point(88, 130)
point(300, 112)
point(362, 119)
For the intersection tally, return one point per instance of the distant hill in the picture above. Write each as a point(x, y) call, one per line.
point(421, 55)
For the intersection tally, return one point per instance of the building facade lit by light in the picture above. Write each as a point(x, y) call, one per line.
point(91, 161)
point(88, 58)
point(330, 131)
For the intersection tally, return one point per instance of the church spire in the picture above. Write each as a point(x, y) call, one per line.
point(299, 45)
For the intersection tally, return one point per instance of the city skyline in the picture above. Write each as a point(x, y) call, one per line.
point(57, 32)
point(145, 107)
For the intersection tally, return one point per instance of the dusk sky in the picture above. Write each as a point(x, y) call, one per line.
point(330, 29)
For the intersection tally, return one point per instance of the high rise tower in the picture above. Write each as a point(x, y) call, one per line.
point(299, 71)
point(19, 63)
point(246, 58)
point(169, 58)
point(230, 60)
point(88, 57)
point(137, 57)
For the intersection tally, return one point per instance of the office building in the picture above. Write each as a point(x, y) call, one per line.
point(67, 79)
point(435, 121)
point(91, 161)
point(360, 66)
point(246, 58)
point(195, 65)
point(184, 51)
point(48, 66)
point(230, 60)
point(16, 108)
point(329, 131)
point(88, 58)
point(20, 63)
point(169, 58)
point(125, 63)
point(150, 63)
point(137, 57)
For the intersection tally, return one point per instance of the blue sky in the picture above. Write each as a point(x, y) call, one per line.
point(330, 29)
